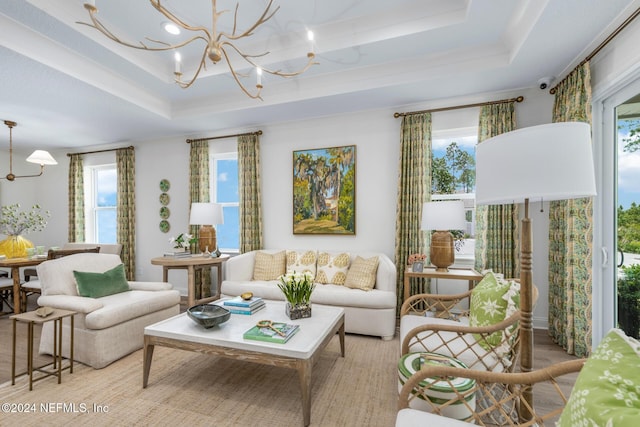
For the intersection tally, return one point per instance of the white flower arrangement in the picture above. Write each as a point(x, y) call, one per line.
point(183, 241)
point(297, 287)
point(14, 222)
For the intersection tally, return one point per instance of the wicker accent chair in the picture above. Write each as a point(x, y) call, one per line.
point(447, 332)
point(504, 395)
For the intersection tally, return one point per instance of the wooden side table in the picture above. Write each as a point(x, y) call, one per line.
point(31, 318)
point(191, 264)
point(430, 273)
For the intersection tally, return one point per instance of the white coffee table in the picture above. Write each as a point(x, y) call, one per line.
point(225, 340)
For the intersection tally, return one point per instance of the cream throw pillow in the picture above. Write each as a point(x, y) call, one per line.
point(362, 273)
point(268, 266)
point(302, 261)
point(333, 267)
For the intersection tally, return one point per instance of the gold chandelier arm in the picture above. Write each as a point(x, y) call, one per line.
point(10, 176)
point(156, 4)
point(279, 73)
point(263, 18)
point(100, 27)
point(235, 77)
point(203, 64)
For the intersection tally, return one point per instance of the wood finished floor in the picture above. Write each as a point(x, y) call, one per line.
point(546, 352)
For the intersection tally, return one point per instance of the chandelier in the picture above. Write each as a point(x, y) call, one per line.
point(217, 44)
point(40, 157)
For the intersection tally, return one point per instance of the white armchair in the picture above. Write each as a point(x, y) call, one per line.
point(109, 327)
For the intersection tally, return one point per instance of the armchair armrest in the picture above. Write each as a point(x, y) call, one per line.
point(150, 286)
point(70, 302)
point(471, 345)
point(443, 305)
point(502, 391)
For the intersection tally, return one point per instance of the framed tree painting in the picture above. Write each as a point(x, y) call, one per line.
point(324, 191)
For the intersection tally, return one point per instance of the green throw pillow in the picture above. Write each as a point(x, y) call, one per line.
point(489, 306)
point(607, 390)
point(96, 285)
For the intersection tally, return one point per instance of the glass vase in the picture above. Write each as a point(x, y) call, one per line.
point(298, 311)
point(15, 246)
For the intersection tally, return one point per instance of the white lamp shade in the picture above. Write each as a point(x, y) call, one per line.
point(539, 163)
point(443, 215)
point(41, 157)
point(206, 214)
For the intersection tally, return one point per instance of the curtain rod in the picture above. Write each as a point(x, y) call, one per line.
point(100, 151)
point(606, 41)
point(189, 141)
point(457, 107)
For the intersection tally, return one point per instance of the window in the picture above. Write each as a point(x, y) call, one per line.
point(453, 178)
point(225, 191)
point(101, 195)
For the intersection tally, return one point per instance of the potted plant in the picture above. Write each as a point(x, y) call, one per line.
point(182, 242)
point(15, 223)
point(297, 289)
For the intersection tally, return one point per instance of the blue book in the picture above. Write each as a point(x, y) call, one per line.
point(245, 311)
point(239, 302)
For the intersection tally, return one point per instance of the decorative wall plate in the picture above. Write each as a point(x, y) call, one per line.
point(164, 185)
point(164, 199)
point(164, 212)
point(165, 226)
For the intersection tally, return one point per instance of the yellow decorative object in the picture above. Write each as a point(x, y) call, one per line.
point(15, 247)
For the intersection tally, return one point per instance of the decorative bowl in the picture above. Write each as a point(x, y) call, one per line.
point(208, 315)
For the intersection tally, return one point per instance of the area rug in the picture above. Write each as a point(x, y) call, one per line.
point(193, 389)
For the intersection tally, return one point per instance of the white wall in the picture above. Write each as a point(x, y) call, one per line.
point(376, 136)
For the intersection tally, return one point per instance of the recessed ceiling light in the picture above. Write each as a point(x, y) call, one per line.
point(171, 28)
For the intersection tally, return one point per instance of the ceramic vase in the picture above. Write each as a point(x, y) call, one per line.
point(15, 247)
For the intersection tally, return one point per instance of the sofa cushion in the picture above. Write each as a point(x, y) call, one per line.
point(124, 306)
point(269, 266)
point(491, 302)
point(333, 267)
point(301, 262)
point(96, 285)
point(362, 274)
point(606, 392)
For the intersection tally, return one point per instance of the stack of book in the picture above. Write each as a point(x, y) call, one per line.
point(178, 254)
point(238, 305)
point(269, 334)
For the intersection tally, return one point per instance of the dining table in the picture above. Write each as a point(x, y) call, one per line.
point(15, 264)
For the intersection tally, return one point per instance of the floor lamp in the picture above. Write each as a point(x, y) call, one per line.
point(539, 163)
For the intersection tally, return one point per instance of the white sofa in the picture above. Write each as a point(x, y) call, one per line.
point(109, 327)
point(366, 312)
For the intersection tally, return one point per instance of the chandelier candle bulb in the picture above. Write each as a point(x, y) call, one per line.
point(310, 38)
point(259, 76)
point(177, 58)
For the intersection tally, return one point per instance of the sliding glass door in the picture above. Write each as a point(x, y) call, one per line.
point(627, 148)
point(616, 293)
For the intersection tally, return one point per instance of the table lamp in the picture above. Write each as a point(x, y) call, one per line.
point(443, 216)
point(206, 215)
point(542, 163)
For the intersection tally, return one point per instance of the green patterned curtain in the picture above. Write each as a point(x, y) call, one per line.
point(76, 199)
point(497, 225)
point(250, 194)
point(199, 193)
point(571, 235)
point(414, 190)
point(126, 209)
